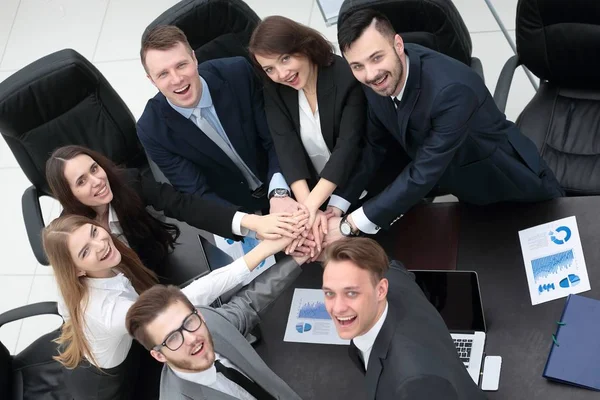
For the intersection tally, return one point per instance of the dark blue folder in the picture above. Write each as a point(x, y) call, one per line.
point(575, 356)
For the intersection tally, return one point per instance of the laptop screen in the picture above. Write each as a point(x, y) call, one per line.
point(456, 296)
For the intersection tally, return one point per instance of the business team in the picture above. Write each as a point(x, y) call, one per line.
point(297, 135)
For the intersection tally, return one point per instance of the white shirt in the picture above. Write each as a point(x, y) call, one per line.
point(216, 380)
point(109, 299)
point(359, 218)
point(115, 225)
point(365, 342)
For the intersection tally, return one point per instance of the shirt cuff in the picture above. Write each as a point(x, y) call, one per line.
point(363, 223)
point(236, 224)
point(339, 202)
point(278, 182)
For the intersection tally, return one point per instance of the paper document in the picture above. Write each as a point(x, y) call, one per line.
point(554, 261)
point(238, 249)
point(309, 321)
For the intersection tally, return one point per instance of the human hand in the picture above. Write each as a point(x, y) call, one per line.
point(285, 205)
point(333, 211)
point(333, 231)
point(275, 226)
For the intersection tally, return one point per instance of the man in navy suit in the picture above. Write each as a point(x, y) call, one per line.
point(206, 129)
point(442, 114)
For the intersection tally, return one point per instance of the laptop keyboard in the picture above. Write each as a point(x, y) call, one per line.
point(463, 347)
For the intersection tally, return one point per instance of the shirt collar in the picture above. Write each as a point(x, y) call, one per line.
point(399, 97)
point(205, 101)
point(112, 215)
point(117, 282)
point(365, 342)
point(207, 377)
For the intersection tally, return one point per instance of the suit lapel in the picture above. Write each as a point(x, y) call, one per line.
point(289, 96)
point(353, 352)
point(326, 92)
point(379, 352)
point(183, 129)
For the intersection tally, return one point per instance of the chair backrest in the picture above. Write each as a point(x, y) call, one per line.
point(435, 24)
point(214, 28)
point(63, 99)
point(559, 44)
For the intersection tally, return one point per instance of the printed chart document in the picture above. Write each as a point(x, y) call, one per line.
point(554, 261)
point(309, 321)
point(237, 249)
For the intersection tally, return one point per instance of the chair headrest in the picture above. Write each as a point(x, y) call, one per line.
point(435, 24)
point(63, 99)
point(214, 28)
point(559, 41)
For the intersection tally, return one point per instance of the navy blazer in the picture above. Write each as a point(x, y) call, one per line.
point(413, 356)
point(342, 113)
point(195, 164)
point(456, 138)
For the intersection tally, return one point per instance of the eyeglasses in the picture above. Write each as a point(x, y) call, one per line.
point(174, 340)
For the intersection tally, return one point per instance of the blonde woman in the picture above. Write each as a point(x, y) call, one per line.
point(99, 278)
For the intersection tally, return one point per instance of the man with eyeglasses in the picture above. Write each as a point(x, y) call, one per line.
point(204, 350)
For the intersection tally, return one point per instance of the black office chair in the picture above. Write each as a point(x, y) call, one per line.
point(63, 99)
point(435, 24)
point(214, 28)
point(32, 374)
point(559, 44)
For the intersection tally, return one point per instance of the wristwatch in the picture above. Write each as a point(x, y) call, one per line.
point(278, 193)
point(346, 228)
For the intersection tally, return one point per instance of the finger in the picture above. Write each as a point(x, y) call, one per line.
point(324, 224)
point(271, 236)
point(287, 220)
point(283, 232)
point(310, 243)
point(317, 234)
point(285, 226)
point(288, 249)
point(281, 214)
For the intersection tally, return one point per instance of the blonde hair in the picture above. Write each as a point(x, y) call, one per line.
point(73, 344)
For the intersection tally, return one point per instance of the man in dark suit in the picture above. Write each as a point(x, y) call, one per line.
point(206, 129)
point(442, 114)
point(204, 352)
point(399, 340)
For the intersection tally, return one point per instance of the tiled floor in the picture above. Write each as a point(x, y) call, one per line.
point(108, 32)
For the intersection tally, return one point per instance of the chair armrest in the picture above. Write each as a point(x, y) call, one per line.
point(34, 222)
point(30, 310)
point(477, 67)
point(504, 82)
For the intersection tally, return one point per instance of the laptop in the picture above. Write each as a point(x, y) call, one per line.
point(456, 296)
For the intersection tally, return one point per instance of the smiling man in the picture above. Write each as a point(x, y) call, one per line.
point(399, 340)
point(205, 353)
point(206, 129)
point(443, 116)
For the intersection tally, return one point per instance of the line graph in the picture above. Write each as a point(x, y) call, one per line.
point(543, 267)
point(314, 310)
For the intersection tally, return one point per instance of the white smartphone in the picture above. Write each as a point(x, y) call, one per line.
point(491, 373)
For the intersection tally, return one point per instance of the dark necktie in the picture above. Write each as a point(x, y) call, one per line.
point(240, 379)
point(356, 357)
point(397, 103)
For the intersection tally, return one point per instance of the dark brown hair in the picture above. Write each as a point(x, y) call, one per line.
point(356, 23)
point(148, 306)
point(140, 228)
point(73, 289)
point(280, 35)
point(162, 37)
point(365, 253)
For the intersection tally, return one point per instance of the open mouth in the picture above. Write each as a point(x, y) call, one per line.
point(102, 191)
point(107, 253)
point(182, 90)
point(292, 80)
point(198, 349)
point(381, 81)
point(346, 321)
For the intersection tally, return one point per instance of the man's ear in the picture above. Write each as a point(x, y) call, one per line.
point(158, 356)
point(398, 44)
point(382, 289)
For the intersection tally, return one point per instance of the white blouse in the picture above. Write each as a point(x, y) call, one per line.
point(109, 300)
point(311, 135)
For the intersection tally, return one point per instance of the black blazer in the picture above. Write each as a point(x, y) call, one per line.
point(342, 111)
point(413, 356)
point(194, 210)
point(455, 136)
point(195, 164)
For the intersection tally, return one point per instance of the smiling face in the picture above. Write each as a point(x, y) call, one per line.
point(352, 299)
point(197, 352)
point(88, 181)
point(93, 251)
point(175, 73)
point(377, 61)
point(290, 70)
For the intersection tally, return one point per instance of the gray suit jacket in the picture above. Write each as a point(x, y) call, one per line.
point(228, 325)
point(413, 357)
